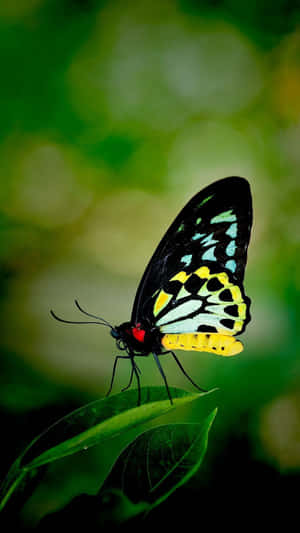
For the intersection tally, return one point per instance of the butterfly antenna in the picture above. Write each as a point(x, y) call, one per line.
point(74, 321)
point(104, 322)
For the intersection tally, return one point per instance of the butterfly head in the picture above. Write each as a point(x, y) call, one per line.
point(118, 334)
point(115, 333)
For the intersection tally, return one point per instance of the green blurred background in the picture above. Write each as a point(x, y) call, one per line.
point(112, 115)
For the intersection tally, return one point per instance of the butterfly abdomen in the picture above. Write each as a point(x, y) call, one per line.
point(203, 342)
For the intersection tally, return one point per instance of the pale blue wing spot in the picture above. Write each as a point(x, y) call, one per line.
point(209, 240)
point(180, 311)
point(203, 292)
point(186, 259)
point(182, 293)
point(219, 310)
point(198, 220)
point(181, 227)
point(226, 216)
point(230, 248)
point(209, 255)
point(198, 236)
point(214, 298)
point(231, 265)
point(232, 231)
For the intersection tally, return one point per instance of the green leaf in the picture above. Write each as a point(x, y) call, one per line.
point(156, 463)
point(90, 425)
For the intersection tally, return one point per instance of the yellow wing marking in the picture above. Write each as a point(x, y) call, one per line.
point(181, 276)
point(202, 272)
point(223, 278)
point(236, 293)
point(162, 300)
point(217, 343)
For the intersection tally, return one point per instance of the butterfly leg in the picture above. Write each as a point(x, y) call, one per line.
point(163, 375)
point(136, 371)
point(133, 367)
point(130, 379)
point(184, 372)
point(114, 371)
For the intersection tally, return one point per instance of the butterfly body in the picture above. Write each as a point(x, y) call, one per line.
point(141, 342)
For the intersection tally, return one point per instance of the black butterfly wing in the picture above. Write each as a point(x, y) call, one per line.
point(213, 231)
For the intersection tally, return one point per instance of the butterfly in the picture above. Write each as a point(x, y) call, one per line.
point(191, 296)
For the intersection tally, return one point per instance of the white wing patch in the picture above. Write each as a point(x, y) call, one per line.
point(180, 310)
point(191, 324)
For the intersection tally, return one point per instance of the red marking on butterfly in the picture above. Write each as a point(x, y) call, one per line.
point(138, 333)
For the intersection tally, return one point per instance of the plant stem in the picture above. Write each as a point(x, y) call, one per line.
point(12, 488)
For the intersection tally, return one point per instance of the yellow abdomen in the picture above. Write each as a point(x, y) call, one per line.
point(203, 342)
